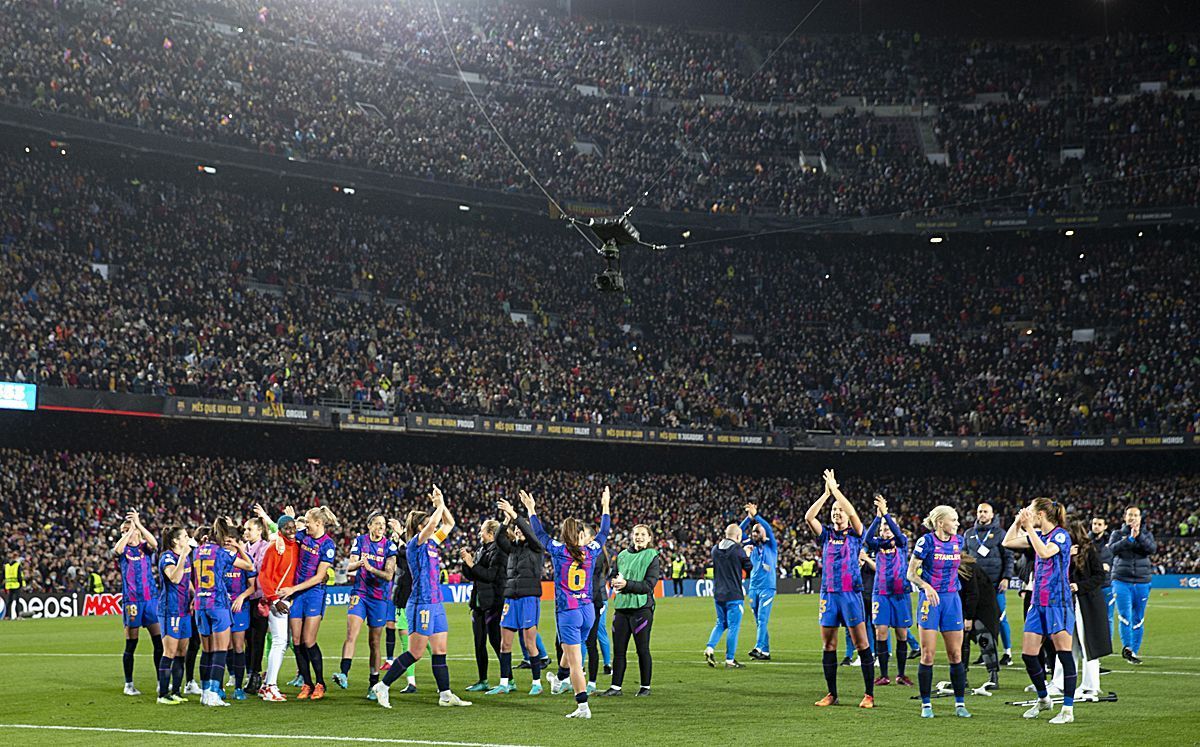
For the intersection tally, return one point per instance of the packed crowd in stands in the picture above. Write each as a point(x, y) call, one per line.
point(229, 296)
point(356, 83)
point(74, 503)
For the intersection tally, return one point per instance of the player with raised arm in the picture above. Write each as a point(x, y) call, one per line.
point(841, 588)
point(521, 612)
point(398, 624)
point(574, 612)
point(892, 605)
point(934, 569)
point(764, 558)
point(139, 595)
point(426, 615)
point(211, 565)
point(242, 584)
point(175, 612)
point(307, 597)
point(1042, 526)
point(373, 561)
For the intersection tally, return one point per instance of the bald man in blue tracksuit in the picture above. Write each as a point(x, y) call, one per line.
point(764, 558)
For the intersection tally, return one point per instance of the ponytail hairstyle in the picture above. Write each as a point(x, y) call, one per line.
point(936, 516)
point(1054, 510)
point(323, 515)
point(413, 522)
point(569, 532)
point(201, 534)
point(256, 521)
point(222, 530)
point(966, 565)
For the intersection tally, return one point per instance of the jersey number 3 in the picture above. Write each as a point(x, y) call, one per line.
point(576, 577)
point(204, 570)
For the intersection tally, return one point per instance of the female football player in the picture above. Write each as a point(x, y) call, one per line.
point(934, 570)
point(139, 595)
point(521, 612)
point(841, 588)
point(307, 597)
point(213, 561)
point(574, 611)
point(1042, 526)
point(426, 615)
point(175, 612)
point(892, 607)
point(373, 560)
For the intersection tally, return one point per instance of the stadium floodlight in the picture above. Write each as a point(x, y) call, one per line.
point(206, 169)
point(936, 239)
point(348, 190)
point(1069, 232)
point(464, 208)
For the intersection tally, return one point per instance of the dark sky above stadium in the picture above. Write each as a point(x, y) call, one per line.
point(1009, 18)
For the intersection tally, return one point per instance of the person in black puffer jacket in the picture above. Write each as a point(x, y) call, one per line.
point(522, 596)
point(488, 569)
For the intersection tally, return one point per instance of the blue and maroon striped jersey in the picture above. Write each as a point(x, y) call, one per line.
point(840, 570)
point(236, 579)
point(891, 558)
point(366, 584)
point(1052, 576)
point(176, 599)
point(572, 580)
point(137, 574)
point(211, 565)
point(939, 561)
point(425, 564)
point(313, 552)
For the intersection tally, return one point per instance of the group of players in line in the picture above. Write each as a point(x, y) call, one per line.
point(209, 577)
point(933, 568)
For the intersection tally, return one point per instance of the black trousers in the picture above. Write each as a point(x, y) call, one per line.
point(485, 625)
point(677, 586)
point(14, 596)
point(256, 638)
point(592, 644)
point(635, 624)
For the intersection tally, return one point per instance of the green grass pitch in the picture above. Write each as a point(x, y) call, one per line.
point(67, 673)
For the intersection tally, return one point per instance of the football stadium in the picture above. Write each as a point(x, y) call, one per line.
point(457, 372)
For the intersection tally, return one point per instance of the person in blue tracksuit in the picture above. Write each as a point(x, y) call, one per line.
point(985, 544)
point(1132, 547)
point(764, 560)
point(730, 563)
point(1100, 542)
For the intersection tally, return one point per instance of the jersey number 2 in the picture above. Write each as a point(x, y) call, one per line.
point(576, 577)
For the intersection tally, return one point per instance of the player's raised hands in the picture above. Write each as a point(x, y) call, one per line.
point(830, 480)
point(881, 506)
point(526, 501)
point(605, 500)
point(439, 500)
point(751, 509)
point(507, 508)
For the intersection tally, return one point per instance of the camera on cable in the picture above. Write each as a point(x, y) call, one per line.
point(612, 233)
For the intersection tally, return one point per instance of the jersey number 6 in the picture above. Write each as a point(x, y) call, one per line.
point(576, 577)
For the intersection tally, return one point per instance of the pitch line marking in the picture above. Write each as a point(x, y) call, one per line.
point(231, 735)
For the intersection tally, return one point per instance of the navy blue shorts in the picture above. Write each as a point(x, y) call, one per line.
point(1046, 621)
point(574, 625)
point(140, 614)
point(841, 608)
point(239, 622)
point(945, 616)
point(309, 603)
point(179, 627)
point(892, 610)
point(374, 611)
point(210, 622)
point(426, 619)
point(521, 613)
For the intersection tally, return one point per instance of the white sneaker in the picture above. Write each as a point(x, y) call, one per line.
point(212, 699)
point(452, 700)
point(1053, 691)
point(192, 688)
point(1088, 696)
point(1066, 715)
point(382, 694)
point(583, 710)
point(552, 680)
point(131, 690)
point(1043, 704)
point(855, 662)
